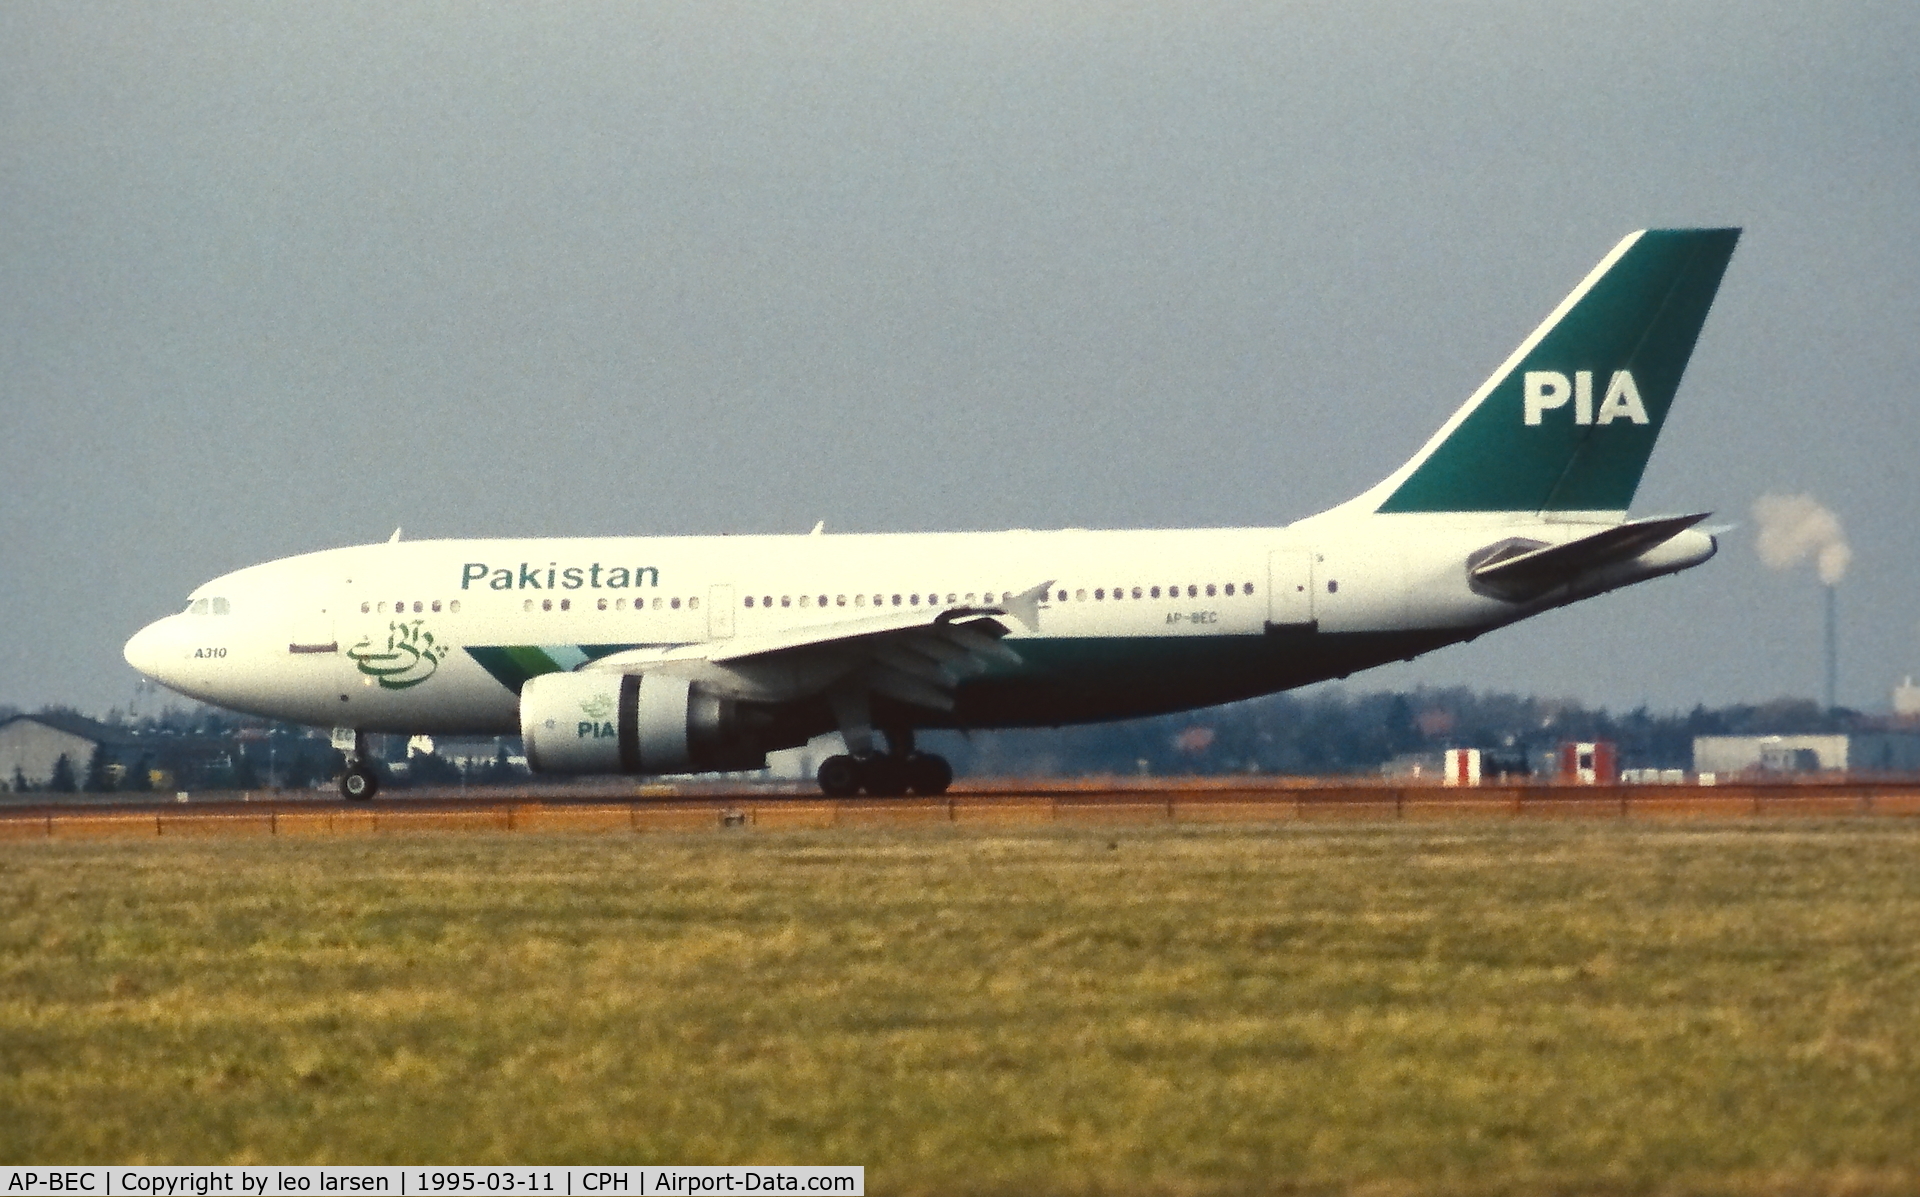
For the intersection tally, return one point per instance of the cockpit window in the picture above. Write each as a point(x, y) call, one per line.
point(197, 607)
point(220, 607)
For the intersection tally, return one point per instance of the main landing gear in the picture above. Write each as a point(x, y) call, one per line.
point(359, 783)
point(885, 776)
point(899, 770)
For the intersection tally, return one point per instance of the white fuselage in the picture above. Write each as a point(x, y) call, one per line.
point(437, 636)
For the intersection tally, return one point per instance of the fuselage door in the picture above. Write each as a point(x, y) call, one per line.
point(719, 612)
point(312, 626)
point(1290, 588)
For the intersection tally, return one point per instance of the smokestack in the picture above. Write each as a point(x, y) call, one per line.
point(1794, 528)
point(1833, 651)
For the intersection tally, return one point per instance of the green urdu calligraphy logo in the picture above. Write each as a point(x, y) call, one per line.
point(411, 656)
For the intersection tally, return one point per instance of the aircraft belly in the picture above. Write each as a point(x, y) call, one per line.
point(1090, 679)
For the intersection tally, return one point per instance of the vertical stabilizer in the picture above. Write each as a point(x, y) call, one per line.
point(1567, 423)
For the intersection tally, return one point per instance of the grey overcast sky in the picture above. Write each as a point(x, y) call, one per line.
point(276, 277)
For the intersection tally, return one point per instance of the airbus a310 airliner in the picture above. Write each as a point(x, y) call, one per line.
point(691, 654)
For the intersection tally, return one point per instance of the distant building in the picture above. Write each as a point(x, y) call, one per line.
point(1462, 767)
point(1906, 700)
point(1721, 755)
point(1884, 752)
point(800, 764)
point(1588, 762)
point(31, 746)
point(1861, 752)
point(1654, 777)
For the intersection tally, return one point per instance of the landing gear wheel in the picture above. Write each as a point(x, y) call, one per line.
point(840, 776)
point(928, 775)
point(886, 776)
point(359, 783)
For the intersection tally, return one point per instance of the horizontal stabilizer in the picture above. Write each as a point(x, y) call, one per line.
point(1521, 568)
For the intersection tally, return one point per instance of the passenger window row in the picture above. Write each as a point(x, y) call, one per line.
point(219, 606)
point(1098, 594)
point(618, 604)
point(1190, 590)
point(420, 607)
point(880, 600)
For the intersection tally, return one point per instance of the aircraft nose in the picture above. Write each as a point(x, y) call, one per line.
point(147, 650)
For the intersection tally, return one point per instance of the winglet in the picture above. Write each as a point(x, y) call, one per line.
point(1025, 606)
point(395, 538)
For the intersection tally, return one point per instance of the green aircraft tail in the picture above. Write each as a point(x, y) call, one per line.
point(1568, 422)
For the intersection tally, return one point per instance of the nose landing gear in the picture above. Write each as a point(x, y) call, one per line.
point(360, 782)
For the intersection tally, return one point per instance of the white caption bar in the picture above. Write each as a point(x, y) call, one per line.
point(427, 1182)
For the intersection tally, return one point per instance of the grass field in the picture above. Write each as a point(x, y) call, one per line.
point(1454, 1009)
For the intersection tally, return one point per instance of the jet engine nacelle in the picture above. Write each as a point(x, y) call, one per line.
point(630, 723)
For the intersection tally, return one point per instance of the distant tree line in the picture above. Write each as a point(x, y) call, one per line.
point(1325, 731)
point(208, 749)
point(1331, 731)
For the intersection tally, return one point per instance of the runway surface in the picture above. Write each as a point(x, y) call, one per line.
point(608, 807)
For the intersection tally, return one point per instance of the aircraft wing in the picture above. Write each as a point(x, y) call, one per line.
point(918, 656)
point(1526, 571)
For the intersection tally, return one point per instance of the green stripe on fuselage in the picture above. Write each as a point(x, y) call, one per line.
point(513, 664)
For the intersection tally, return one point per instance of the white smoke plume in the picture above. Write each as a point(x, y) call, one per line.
point(1796, 527)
